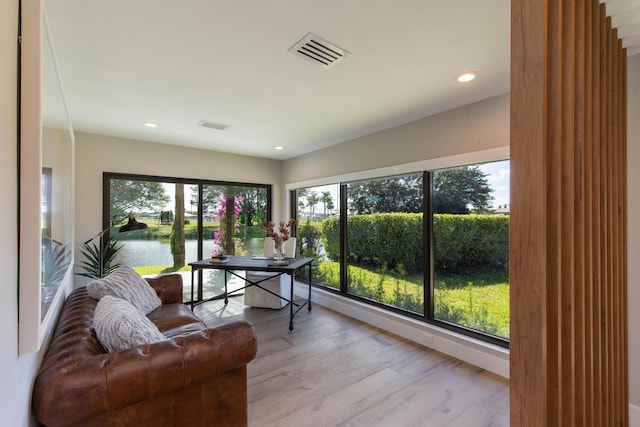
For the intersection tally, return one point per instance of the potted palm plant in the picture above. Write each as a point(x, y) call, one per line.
point(100, 258)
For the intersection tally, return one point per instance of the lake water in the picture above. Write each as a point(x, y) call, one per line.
point(139, 253)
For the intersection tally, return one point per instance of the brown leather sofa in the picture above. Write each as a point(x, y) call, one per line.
point(198, 377)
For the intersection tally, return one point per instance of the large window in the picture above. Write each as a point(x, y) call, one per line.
point(385, 241)
point(160, 225)
point(470, 223)
point(318, 231)
point(433, 245)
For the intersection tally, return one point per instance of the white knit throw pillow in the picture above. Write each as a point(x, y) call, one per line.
point(125, 283)
point(119, 325)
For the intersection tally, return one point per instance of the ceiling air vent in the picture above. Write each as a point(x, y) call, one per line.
point(210, 125)
point(318, 50)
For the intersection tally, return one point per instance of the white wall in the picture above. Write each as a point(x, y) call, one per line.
point(475, 127)
point(633, 239)
point(16, 372)
point(96, 154)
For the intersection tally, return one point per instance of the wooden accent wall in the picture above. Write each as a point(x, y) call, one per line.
point(568, 216)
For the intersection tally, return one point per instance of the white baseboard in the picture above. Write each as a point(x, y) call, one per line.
point(634, 416)
point(478, 353)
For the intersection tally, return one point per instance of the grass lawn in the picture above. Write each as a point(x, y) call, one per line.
point(159, 269)
point(477, 301)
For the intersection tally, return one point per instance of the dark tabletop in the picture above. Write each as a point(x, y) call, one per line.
point(252, 264)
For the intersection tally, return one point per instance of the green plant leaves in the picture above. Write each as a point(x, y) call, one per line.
point(98, 264)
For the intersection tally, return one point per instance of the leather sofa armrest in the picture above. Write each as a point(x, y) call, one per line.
point(168, 287)
point(108, 382)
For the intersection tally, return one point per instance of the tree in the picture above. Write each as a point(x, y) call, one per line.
point(210, 195)
point(253, 201)
point(177, 234)
point(302, 195)
point(330, 206)
point(327, 201)
point(228, 214)
point(254, 205)
point(461, 190)
point(312, 200)
point(400, 194)
point(129, 196)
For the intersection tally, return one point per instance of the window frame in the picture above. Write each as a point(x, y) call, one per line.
point(200, 183)
point(106, 196)
point(428, 270)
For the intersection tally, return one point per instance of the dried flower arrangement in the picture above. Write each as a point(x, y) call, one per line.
point(283, 233)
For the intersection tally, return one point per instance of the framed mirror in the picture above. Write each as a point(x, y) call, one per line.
point(46, 183)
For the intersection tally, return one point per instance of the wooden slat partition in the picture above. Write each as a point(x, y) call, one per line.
point(568, 216)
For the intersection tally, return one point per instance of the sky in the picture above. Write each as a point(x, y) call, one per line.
point(498, 178)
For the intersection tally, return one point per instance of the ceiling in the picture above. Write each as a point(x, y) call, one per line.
point(122, 63)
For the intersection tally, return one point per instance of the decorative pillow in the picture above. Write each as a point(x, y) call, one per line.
point(119, 325)
point(126, 284)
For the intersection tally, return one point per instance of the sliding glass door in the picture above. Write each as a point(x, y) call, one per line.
point(160, 225)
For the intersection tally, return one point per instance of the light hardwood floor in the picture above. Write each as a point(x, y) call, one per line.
point(332, 370)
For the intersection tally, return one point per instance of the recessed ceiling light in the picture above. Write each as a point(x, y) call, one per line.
point(467, 76)
point(150, 124)
point(279, 147)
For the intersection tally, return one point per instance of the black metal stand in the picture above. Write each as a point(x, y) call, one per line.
point(251, 264)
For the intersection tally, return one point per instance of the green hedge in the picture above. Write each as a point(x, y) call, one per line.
point(470, 243)
point(377, 239)
point(462, 243)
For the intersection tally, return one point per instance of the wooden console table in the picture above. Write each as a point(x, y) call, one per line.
point(247, 263)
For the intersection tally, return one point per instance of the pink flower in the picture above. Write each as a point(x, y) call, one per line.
point(217, 251)
point(220, 235)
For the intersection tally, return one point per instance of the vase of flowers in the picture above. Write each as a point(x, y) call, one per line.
point(279, 236)
point(217, 253)
point(278, 252)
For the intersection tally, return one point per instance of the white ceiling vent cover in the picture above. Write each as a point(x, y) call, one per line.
point(210, 125)
point(318, 50)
